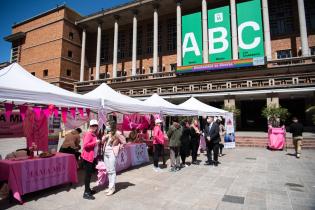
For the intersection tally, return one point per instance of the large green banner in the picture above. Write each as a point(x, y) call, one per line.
point(219, 34)
point(250, 30)
point(192, 39)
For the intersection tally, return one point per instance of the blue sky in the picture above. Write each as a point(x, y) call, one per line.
point(14, 11)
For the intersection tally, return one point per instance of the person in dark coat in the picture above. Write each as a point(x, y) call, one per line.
point(212, 135)
point(194, 140)
point(185, 142)
point(296, 128)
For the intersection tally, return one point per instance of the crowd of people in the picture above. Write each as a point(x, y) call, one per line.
point(183, 136)
point(184, 139)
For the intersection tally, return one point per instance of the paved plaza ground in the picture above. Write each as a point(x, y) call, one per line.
point(248, 178)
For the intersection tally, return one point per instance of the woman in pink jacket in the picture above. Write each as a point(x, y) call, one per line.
point(158, 143)
point(89, 142)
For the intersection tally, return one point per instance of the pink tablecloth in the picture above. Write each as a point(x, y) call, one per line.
point(25, 176)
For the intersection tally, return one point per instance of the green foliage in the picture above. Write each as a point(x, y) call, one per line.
point(236, 112)
point(275, 114)
point(312, 110)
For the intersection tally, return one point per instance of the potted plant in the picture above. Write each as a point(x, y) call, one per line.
point(312, 110)
point(275, 114)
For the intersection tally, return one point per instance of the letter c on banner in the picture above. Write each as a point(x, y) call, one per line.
point(256, 41)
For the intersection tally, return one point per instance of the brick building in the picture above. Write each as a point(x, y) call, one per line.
point(136, 48)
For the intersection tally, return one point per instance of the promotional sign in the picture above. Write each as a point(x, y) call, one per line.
point(219, 34)
point(53, 132)
point(229, 139)
point(250, 29)
point(11, 128)
point(191, 39)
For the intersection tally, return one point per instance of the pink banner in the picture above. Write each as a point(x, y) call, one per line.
point(64, 112)
point(37, 111)
point(23, 109)
point(11, 127)
point(56, 110)
point(46, 112)
point(81, 112)
point(73, 123)
point(72, 111)
point(135, 121)
point(8, 110)
point(88, 111)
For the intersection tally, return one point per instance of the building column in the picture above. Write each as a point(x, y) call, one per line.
point(266, 30)
point(303, 30)
point(155, 39)
point(82, 55)
point(272, 101)
point(229, 102)
point(115, 47)
point(134, 45)
point(205, 45)
point(98, 51)
point(179, 32)
point(234, 30)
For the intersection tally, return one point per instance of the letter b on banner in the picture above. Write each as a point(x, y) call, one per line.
point(219, 34)
point(250, 30)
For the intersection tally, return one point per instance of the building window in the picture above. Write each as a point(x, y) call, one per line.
point(70, 35)
point(105, 48)
point(69, 53)
point(171, 35)
point(45, 73)
point(14, 54)
point(139, 40)
point(173, 66)
point(121, 73)
point(33, 73)
point(121, 44)
point(149, 39)
point(69, 73)
point(151, 69)
point(140, 71)
point(91, 77)
point(102, 75)
point(310, 15)
point(281, 17)
point(312, 50)
point(284, 54)
point(160, 32)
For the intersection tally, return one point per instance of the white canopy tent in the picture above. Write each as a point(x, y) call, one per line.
point(167, 107)
point(115, 101)
point(202, 108)
point(18, 85)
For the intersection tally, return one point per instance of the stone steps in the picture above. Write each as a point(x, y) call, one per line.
point(308, 143)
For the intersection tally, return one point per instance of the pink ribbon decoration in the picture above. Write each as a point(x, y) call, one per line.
point(37, 111)
point(8, 110)
point(81, 112)
point(87, 111)
point(72, 110)
point(64, 112)
point(46, 112)
point(56, 112)
point(23, 109)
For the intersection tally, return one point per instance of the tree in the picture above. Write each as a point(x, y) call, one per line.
point(275, 114)
point(312, 110)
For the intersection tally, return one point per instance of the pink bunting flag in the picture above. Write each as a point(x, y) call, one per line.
point(81, 112)
point(64, 112)
point(8, 110)
point(72, 110)
point(56, 110)
point(46, 112)
point(51, 108)
point(37, 111)
point(87, 111)
point(23, 109)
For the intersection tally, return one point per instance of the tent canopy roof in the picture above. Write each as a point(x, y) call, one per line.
point(202, 108)
point(17, 84)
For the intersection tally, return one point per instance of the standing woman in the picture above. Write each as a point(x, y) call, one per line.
point(89, 143)
point(158, 143)
point(114, 140)
point(185, 142)
point(222, 135)
point(195, 139)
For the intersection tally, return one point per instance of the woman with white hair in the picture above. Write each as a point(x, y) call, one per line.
point(222, 134)
point(158, 143)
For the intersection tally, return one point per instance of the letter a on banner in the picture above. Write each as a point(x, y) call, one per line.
point(192, 39)
point(250, 30)
point(219, 34)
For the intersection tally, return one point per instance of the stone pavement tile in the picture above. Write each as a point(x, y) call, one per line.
point(253, 207)
point(262, 195)
point(229, 206)
point(303, 207)
point(303, 201)
point(223, 182)
point(238, 190)
point(255, 202)
point(207, 201)
point(279, 207)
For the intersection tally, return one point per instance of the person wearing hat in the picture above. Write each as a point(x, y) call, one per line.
point(158, 143)
point(89, 143)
